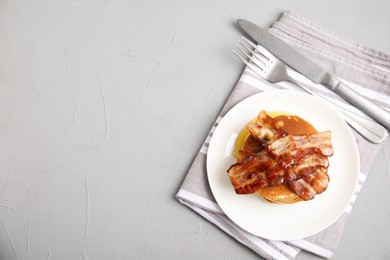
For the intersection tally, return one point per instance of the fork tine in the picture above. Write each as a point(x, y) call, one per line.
point(243, 52)
point(256, 60)
point(253, 67)
point(241, 58)
point(259, 56)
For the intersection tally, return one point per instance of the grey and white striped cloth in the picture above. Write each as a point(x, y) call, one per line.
point(364, 69)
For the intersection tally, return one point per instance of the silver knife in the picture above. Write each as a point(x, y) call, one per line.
point(312, 71)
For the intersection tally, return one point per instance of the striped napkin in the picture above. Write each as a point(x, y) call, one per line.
point(364, 69)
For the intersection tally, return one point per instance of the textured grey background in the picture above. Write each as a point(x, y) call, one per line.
point(105, 103)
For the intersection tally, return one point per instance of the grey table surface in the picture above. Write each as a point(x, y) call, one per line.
point(104, 105)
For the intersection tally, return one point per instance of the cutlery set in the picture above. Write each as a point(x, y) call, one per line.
point(268, 59)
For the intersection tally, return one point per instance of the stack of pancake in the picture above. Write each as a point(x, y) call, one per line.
point(293, 125)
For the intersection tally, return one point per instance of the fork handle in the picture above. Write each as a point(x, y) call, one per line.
point(369, 129)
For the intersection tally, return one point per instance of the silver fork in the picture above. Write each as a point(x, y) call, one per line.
point(272, 69)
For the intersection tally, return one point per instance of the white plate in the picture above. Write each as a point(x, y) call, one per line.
point(289, 221)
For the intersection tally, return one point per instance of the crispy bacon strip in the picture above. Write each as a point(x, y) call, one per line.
point(288, 143)
point(309, 164)
point(264, 170)
point(265, 130)
point(311, 185)
point(250, 174)
point(252, 145)
point(243, 154)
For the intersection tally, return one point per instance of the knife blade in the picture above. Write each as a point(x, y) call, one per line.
point(312, 71)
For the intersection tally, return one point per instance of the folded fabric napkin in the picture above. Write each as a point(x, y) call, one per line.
point(364, 69)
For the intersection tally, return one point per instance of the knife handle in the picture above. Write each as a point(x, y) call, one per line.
point(377, 112)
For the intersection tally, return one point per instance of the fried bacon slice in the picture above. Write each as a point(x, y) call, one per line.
point(265, 130)
point(243, 154)
point(252, 145)
point(272, 157)
point(288, 143)
point(250, 174)
point(264, 170)
point(311, 185)
point(307, 165)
